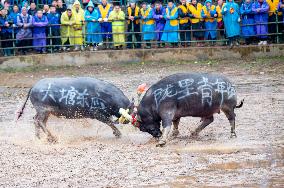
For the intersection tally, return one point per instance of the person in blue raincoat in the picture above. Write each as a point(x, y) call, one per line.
point(171, 34)
point(93, 28)
point(209, 14)
point(148, 24)
point(6, 23)
point(39, 32)
point(247, 18)
point(13, 14)
point(281, 10)
point(106, 28)
point(231, 17)
point(53, 18)
point(260, 9)
point(158, 15)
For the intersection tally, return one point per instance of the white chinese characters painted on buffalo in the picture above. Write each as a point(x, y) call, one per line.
point(203, 88)
point(73, 97)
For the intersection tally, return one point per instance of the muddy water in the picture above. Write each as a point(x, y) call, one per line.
point(88, 155)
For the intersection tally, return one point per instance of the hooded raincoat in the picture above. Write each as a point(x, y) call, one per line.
point(210, 21)
point(260, 11)
point(93, 27)
point(231, 16)
point(170, 33)
point(24, 32)
point(281, 10)
point(160, 21)
point(39, 35)
point(148, 23)
point(67, 28)
point(247, 18)
point(105, 25)
point(117, 19)
point(78, 27)
point(196, 19)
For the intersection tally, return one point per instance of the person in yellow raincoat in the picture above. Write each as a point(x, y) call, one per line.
point(78, 27)
point(67, 28)
point(117, 18)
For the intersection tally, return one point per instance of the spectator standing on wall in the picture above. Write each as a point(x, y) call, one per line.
point(13, 14)
point(220, 22)
point(148, 24)
point(247, 14)
point(24, 22)
point(231, 17)
point(281, 10)
point(54, 3)
point(272, 27)
point(45, 10)
point(25, 4)
point(6, 23)
point(32, 11)
point(184, 23)
point(7, 6)
point(68, 21)
point(39, 32)
point(60, 7)
point(133, 21)
point(69, 3)
point(209, 14)
point(196, 21)
point(260, 9)
point(170, 34)
point(54, 19)
point(78, 27)
point(93, 28)
point(158, 15)
point(105, 8)
point(117, 17)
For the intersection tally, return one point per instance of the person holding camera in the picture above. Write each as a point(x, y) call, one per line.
point(6, 23)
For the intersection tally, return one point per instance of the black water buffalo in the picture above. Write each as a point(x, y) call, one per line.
point(186, 94)
point(75, 98)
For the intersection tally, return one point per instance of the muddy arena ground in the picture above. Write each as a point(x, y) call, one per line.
point(88, 155)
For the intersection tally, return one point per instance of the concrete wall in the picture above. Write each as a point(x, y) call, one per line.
point(143, 55)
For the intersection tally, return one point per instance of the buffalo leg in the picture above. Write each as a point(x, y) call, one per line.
point(167, 119)
point(41, 119)
point(175, 129)
point(231, 117)
point(116, 132)
point(205, 122)
point(37, 127)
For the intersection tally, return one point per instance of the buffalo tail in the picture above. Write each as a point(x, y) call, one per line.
point(20, 112)
point(241, 103)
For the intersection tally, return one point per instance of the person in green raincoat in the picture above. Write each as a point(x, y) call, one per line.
point(170, 33)
point(117, 18)
point(67, 28)
point(93, 27)
point(78, 27)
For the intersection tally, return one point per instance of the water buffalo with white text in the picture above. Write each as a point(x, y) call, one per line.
point(181, 95)
point(74, 98)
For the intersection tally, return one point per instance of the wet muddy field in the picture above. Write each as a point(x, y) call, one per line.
point(88, 155)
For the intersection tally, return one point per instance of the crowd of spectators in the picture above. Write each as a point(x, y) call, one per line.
point(76, 25)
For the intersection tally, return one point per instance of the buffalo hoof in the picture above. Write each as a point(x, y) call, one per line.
point(233, 135)
point(194, 135)
point(161, 143)
point(117, 134)
point(175, 133)
point(52, 139)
